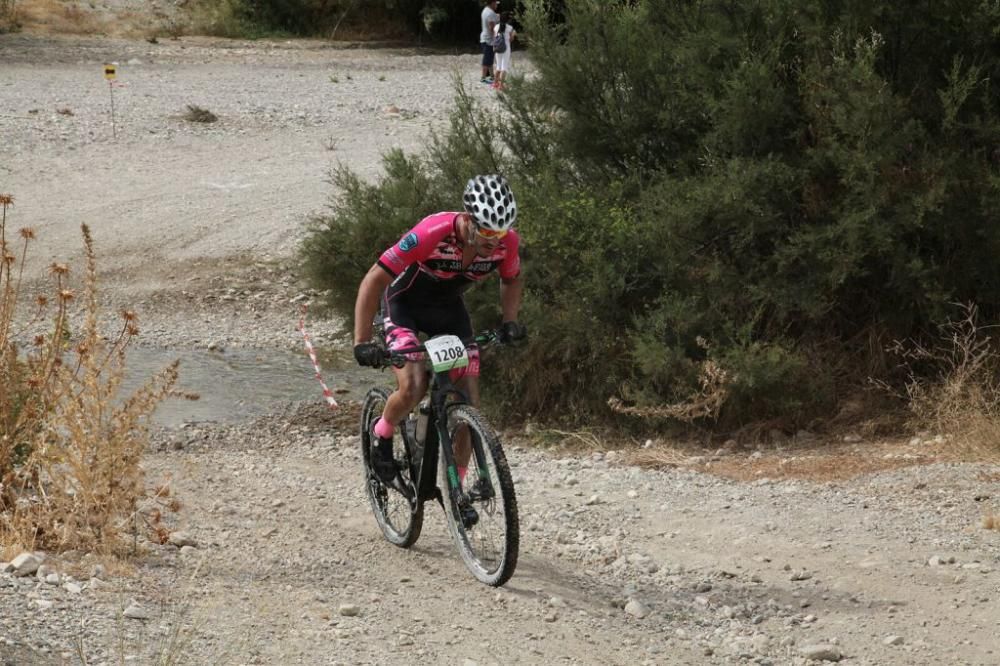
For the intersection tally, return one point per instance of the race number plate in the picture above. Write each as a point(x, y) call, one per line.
point(446, 353)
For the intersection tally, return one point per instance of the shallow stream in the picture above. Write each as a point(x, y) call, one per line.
point(239, 384)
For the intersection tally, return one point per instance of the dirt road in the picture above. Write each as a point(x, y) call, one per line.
point(197, 223)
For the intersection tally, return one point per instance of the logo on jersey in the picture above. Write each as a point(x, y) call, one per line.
point(409, 242)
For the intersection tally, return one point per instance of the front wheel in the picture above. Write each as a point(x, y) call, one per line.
point(488, 536)
point(399, 518)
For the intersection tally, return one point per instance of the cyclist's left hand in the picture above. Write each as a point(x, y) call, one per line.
point(512, 331)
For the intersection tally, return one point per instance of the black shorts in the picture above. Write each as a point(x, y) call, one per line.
point(405, 319)
point(487, 53)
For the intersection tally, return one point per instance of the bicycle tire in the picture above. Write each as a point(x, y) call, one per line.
point(493, 567)
point(399, 520)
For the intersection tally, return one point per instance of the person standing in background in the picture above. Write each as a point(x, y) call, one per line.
point(488, 20)
point(501, 63)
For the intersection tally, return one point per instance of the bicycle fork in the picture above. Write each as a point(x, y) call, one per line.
point(482, 491)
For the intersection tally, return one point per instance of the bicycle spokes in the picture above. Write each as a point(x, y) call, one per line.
point(482, 511)
point(397, 511)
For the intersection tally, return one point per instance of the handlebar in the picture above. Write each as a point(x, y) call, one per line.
point(483, 340)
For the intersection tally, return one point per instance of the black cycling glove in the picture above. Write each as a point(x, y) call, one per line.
point(369, 354)
point(511, 331)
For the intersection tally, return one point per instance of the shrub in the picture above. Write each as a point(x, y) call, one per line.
point(784, 181)
point(366, 219)
point(196, 114)
point(70, 474)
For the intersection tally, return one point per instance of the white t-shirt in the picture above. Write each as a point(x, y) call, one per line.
point(488, 16)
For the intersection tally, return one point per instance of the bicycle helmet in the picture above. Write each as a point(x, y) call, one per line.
point(490, 202)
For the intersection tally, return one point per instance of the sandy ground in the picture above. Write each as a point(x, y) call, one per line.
point(198, 223)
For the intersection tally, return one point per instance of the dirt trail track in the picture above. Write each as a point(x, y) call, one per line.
point(619, 565)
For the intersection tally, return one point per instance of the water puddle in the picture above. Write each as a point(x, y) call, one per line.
point(238, 384)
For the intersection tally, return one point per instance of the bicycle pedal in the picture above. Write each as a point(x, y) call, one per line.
point(469, 516)
point(480, 491)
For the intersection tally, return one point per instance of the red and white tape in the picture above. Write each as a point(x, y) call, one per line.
point(327, 393)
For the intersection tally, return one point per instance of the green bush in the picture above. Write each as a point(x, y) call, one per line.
point(763, 186)
point(367, 219)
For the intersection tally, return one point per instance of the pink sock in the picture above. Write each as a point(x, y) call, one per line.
point(461, 473)
point(383, 428)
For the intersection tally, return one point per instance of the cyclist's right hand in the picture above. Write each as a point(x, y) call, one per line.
point(368, 354)
point(512, 331)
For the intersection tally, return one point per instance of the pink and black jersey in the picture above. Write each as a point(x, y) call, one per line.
point(427, 261)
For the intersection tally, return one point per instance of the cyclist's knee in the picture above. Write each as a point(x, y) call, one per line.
point(412, 391)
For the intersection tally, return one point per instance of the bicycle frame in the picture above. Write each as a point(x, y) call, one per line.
point(424, 456)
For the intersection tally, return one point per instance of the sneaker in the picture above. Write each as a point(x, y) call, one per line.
point(488, 79)
point(383, 464)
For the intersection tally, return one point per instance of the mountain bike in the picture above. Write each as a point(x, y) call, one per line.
point(481, 511)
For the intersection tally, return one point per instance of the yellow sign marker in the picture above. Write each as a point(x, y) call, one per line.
point(109, 72)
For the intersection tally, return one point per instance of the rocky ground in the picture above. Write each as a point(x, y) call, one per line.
point(276, 558)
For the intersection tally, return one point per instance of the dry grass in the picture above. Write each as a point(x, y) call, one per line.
point(174, 636)
point(54, 16)
point(960, 397)
point(9, 16)
point(569, 440)
point(70, 451)
point(76, 17)
point(820, 461)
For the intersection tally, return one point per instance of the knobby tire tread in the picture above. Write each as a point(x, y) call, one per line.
point(493, 449)
point(371, 409)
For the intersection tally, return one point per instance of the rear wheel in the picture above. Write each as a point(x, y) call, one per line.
point(488, 542)
point(399, 518)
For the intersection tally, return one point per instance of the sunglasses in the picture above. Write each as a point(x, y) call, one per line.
point(490, 234)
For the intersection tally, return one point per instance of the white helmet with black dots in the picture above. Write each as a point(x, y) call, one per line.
point(490, 202)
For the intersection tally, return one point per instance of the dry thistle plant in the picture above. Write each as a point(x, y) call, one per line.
point(70, 451)
point(28, 385)
point(960, 396)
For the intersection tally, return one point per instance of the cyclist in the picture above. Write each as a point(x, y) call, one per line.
point(419, 283)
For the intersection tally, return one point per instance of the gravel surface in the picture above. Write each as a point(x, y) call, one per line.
point(276, 559)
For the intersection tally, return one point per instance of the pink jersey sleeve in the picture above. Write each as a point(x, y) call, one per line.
point(418, 243)
point(511, 265)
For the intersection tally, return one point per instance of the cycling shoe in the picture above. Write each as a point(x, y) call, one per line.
point(481, 490)
point(383, 464)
